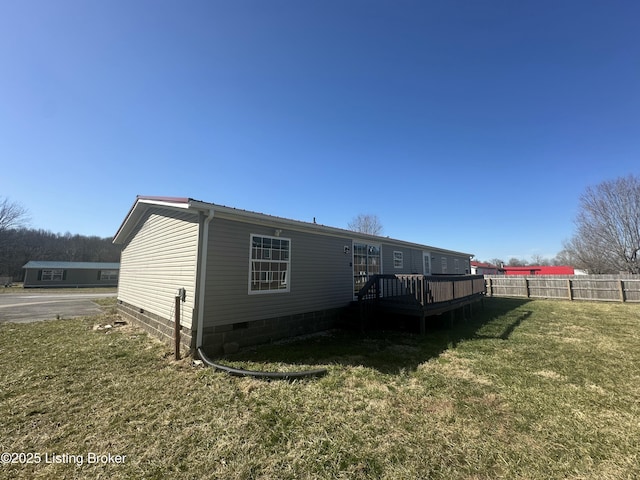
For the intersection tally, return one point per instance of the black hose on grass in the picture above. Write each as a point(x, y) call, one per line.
point(237, 372)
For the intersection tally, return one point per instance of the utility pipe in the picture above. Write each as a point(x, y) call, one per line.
point(237, 372)
point(203, 276)
point(176, 327)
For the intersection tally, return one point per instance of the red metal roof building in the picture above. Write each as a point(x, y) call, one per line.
point(539, 270)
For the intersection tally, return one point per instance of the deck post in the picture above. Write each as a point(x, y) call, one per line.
point(423, 323)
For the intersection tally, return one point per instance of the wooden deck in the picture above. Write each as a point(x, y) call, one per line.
point(419, 295)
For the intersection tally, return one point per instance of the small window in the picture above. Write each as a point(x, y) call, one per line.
point(456, 265)
point(398, 260)
point(269, 264)
point(444, 264)
point(52, 275)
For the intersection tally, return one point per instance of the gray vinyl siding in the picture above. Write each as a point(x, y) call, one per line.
point(320, 274)
point(411, 259)
point(437, 262)
point(159, 258)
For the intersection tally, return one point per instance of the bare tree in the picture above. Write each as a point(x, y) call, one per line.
point(12, 215)
point(586, 255)
point(498, 262)
point(607, 239)
point(516, 262)
point(366, 223)
point(537, 259)
point(564, 257)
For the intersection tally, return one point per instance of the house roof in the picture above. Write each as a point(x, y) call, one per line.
point(35, 264)
point(483, 264)
point(143, 202)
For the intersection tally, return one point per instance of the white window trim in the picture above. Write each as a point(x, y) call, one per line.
point(444, 265)
point(286, 275)
point(399, 259)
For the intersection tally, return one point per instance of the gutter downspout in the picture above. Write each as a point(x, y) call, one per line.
point(203, 277)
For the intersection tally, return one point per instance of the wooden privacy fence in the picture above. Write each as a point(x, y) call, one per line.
point(602, 288)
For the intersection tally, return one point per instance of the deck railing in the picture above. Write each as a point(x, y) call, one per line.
point(425, 290)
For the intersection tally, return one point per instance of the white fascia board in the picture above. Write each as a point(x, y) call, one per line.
point(164, 203)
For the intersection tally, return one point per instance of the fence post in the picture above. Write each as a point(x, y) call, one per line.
point(569, 289)
point(621, 288)
point(526, 286)
point(490, 287)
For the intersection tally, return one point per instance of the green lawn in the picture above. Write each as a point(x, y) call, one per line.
point(535, 390)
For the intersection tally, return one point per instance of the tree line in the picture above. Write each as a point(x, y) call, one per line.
point(19, 246)
point(536, 260)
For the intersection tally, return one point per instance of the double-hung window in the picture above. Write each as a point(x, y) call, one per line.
point(398, 260)
point(270, 261)
point(56, 275)
point(108, 275)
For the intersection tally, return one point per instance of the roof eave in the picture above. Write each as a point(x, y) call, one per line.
point(182, 203)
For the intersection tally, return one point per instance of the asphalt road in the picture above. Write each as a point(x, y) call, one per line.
point(24, 308)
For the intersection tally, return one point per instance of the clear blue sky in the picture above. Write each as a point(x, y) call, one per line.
point(469, 125)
